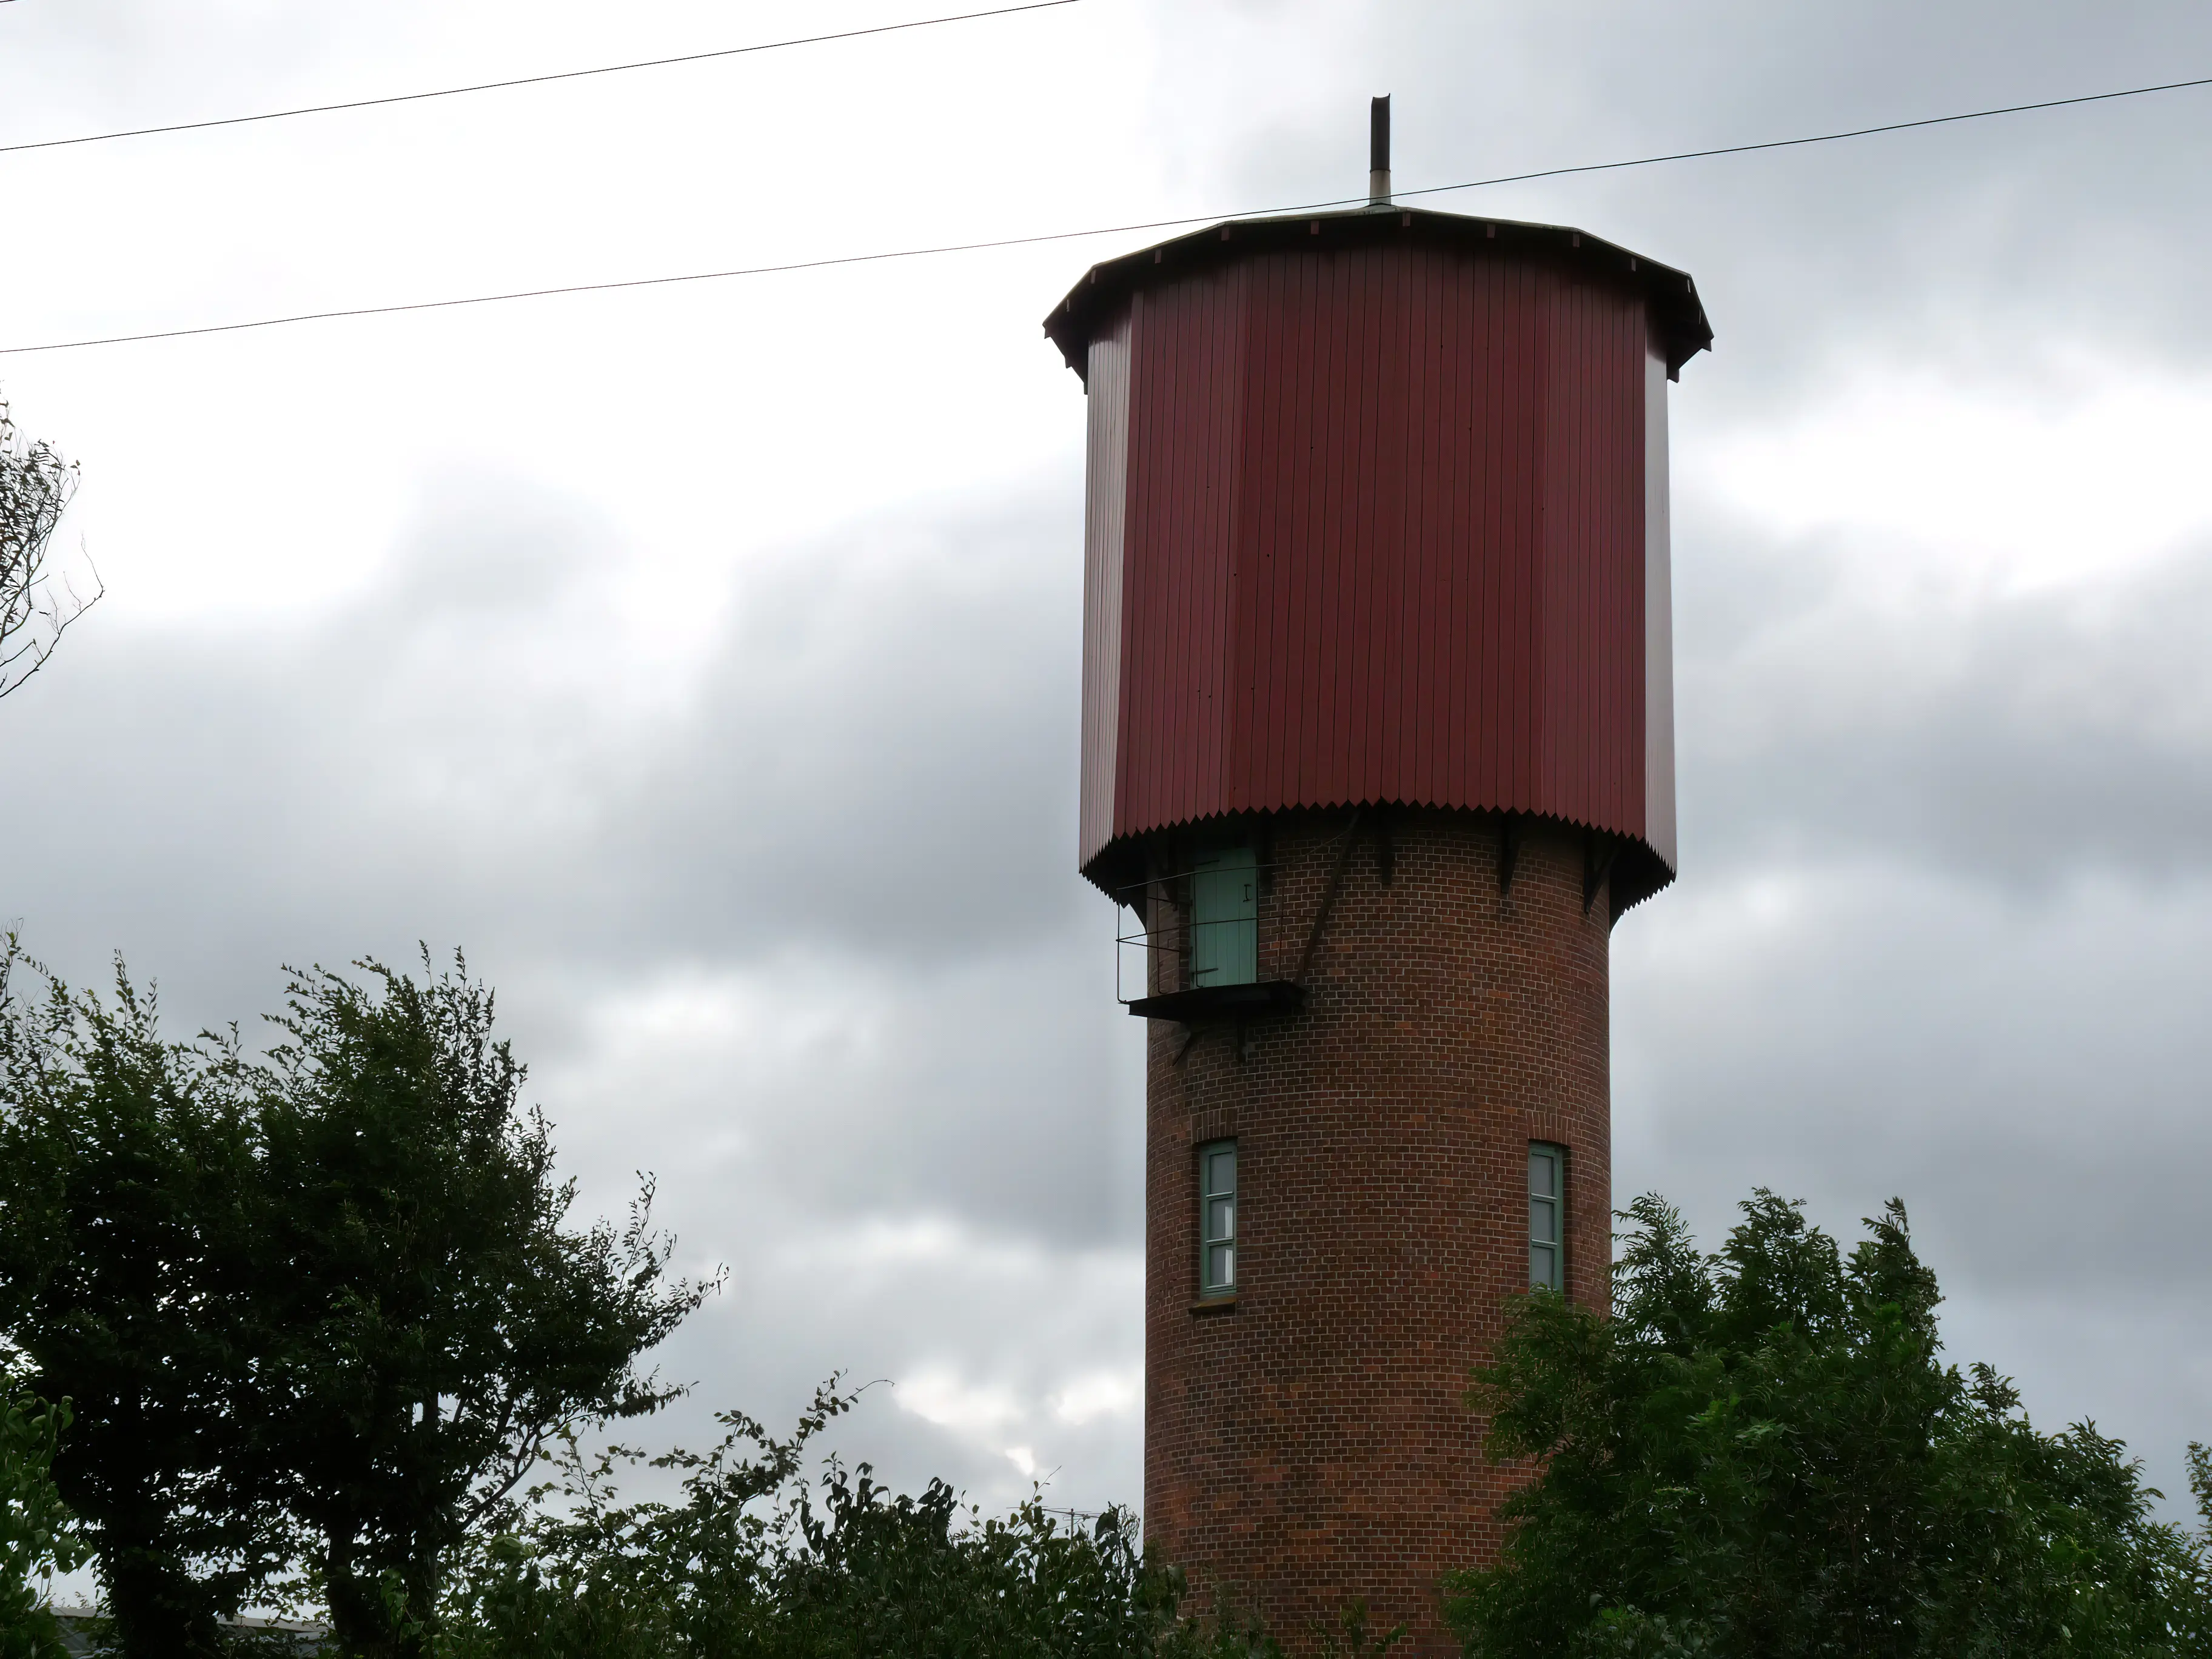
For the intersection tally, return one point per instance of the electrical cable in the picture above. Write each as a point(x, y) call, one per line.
point(1074, 235)
point(1819, 137)
point(529, 80)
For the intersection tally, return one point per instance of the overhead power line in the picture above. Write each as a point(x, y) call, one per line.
point(1076, 235)
point(529, 79)
point(1821, 137)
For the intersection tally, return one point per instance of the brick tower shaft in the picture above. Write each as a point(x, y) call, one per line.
point(1306, 1439)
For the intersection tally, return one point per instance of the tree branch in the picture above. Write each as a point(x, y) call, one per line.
point(36, 609)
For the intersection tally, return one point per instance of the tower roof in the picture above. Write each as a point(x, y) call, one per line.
point(1672, 294)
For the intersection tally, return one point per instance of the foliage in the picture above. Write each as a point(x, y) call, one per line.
point(2193, 1610)
point(1761, 1454)
point(326, 1308)
point(35, 487)
point(436, 1321)
point(751, 1562)
point(125, 1268)
point(36, 1537)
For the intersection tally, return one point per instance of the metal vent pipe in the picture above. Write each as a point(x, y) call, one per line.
point(1378, 152)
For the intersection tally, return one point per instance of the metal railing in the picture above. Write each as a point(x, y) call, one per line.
point(1157, 950)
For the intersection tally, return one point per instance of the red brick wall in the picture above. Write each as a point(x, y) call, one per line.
point(1309, 1443)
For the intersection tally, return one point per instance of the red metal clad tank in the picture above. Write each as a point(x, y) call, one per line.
point(1377, 512)
point(1378, 739)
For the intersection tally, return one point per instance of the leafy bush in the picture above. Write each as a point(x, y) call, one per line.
point(754, 1560)
point(1761, 1453)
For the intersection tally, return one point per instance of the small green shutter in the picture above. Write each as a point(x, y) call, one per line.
point(1224, 920)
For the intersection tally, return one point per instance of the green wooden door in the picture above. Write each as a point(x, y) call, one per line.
point(1224, 920)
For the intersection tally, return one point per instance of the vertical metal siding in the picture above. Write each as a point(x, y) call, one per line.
point(1592, 557)
point(1385, 539)
point(1105, 496)
point(1658, 617)
point(1184, 428)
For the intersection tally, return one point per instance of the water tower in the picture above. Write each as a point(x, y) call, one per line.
point(1377, 746)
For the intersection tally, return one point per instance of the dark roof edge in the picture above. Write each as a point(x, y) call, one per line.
point(1671, 294)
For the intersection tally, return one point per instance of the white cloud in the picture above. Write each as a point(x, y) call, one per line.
point(1947, 488)
point(942, 1398)
point(1100, 1394)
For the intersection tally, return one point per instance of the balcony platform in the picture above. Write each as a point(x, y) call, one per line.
point(1209, 1005)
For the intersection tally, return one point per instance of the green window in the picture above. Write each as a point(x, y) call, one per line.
point(1547, 1190)
point(1225, 918)
point(1217, 1210)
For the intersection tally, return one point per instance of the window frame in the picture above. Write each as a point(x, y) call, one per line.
point(1556, 1201)
point(1209, 1288)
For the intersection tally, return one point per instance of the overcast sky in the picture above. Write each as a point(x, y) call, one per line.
point(703, 660)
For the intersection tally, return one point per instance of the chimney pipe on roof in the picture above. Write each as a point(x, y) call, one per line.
point(1378, 152)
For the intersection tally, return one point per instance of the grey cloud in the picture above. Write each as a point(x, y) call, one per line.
point(990, 1092)
point(865, 813)
point(879, 752)
point(2033, 738)
point(1856, 1025)
point(872, 758)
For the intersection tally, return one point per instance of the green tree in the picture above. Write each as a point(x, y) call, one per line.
point(1761, 1454)
point(316, 1314)
point(36, 1536)
point(431, 1320)
point(126, 1172)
